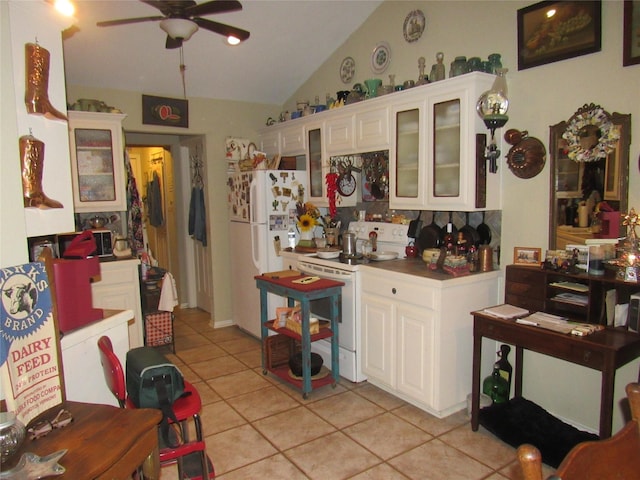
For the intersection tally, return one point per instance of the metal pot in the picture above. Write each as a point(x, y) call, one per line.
point(349, 243)
point(98, 221)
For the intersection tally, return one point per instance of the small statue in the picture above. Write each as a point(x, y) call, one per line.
point(422, 78)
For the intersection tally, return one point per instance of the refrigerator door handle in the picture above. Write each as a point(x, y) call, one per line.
point(255, 245)
point(253, 201)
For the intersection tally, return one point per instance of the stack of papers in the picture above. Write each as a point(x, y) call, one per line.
point(506, 311)
point(548, 321)
point(578, 287)
point(572, 298)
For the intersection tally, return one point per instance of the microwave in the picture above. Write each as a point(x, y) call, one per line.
point(104, 242)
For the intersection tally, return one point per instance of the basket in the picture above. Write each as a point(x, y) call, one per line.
point(293, 325)
point(159, 329)
point(278, 350)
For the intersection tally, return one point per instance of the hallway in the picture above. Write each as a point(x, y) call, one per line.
point(256, 427)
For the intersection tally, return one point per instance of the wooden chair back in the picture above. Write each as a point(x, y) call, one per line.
point(617, 457)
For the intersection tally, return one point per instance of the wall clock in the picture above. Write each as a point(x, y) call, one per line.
point(346, 185)
point(381, 57)
point(347, 69)
point(414, 26)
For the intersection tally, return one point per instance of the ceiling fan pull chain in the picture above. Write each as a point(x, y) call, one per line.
point(182, 69)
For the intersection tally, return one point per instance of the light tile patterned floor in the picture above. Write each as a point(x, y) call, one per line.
point(257, 427)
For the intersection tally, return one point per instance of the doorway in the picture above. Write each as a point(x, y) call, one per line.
point(170, 160)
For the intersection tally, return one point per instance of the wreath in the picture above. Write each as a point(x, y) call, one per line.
point(590, 115)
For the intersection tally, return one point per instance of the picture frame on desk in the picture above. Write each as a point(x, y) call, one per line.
point(527, 256)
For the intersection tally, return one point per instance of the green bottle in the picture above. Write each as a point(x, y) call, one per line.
point(496, 387)
point(505, 367)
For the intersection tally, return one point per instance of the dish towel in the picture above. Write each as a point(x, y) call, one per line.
point(168, 293)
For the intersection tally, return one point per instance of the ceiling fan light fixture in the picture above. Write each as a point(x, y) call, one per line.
point(231, 40)
point(179, 28)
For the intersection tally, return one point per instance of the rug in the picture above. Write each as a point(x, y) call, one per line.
point(522, 421)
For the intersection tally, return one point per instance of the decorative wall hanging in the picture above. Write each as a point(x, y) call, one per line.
point(347, 69)
point(381, 57)
point(527, 157)
point(553, 31)
point(590, 134)
point(631, 39)
point(413, 26)
point(170, 112)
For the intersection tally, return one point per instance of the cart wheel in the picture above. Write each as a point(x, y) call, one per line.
point(305, 396)
point(264, 371)
point(334, 385)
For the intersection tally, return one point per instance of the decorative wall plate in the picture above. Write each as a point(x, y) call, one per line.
point(347, 69)
point(414, 26)
point(381, 57)
point(527, 157)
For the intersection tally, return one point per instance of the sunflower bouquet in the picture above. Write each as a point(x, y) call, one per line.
point(308, 215)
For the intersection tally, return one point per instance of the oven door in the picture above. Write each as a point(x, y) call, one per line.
point(320, 307)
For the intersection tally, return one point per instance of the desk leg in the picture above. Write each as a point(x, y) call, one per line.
point(263, 329)
point(151, 466)
point(475, 388)
point(336, 305)
point(606, 399)
point(518, 379)
point(306, 347)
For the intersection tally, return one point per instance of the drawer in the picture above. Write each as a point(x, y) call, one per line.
point(524, 275)
point(530, 303)
point(414, 294)
point(534, 290)
point(113, 273)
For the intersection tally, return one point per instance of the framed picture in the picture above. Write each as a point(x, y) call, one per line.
point(527, 256)
point(170, 112)
point(552, 31)
point(631, 39)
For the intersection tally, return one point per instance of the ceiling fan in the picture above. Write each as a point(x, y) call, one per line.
point(181, 19)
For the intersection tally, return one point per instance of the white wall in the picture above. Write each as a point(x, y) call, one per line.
point(540, 97)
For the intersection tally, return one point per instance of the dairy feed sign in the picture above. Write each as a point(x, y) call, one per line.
point(29, 347)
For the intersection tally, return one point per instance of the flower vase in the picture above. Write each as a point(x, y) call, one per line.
point(306, 239)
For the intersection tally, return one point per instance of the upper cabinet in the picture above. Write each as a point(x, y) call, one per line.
point(97, 161)
point(435, 139)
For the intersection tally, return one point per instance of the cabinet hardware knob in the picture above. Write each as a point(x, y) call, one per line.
point(393, 290)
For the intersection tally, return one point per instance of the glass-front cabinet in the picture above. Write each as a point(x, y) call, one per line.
point(317, 167)
point(97, 161)
point(408, 178)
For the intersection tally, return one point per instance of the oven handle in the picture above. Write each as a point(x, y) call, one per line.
point(307, 268)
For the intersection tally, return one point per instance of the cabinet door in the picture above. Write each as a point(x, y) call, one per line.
point(407, 179)
point(270, 142)
point(372, 130)
point(317, 168)
point(97, 162)
point(339, 138)
point(415, 376)
point(292, 140)
point(378, 339)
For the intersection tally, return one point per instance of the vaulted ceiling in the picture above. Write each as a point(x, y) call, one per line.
point(289, 40)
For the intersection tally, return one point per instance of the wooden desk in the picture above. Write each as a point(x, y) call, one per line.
point(103, 442)
point(605, 351)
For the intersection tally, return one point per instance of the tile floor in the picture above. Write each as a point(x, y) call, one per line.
point(257, 427)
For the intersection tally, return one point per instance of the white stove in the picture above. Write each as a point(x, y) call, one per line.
point(389, 237)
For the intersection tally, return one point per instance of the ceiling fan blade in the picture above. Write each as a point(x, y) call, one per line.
point(125, 21)
point(173, 42)
point(214, 6)
point(170, 7)
point(222, 29)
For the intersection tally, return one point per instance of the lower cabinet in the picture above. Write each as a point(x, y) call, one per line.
point(417, 335)
point(119, 289)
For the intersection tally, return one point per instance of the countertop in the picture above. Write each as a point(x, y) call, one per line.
point(417, 267)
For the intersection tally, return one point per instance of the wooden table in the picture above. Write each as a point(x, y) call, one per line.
point(103, 442)
point(303, 293)
point(605, 351)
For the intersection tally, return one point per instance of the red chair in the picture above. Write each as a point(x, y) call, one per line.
point(186, 407)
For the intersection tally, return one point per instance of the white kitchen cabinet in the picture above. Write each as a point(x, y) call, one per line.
point(293, 139)
point(83, 378)
point(372, 128)
point(119, 289)
point(417, 335)
point(97, 161)
point(270, 142)
point(339, 137)
point(317, 165)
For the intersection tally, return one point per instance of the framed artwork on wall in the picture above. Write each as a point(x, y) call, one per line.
point(170, 112)
point(631, 39)
point(551, 31)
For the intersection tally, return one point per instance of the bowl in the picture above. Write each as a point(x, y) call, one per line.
point(295, 364)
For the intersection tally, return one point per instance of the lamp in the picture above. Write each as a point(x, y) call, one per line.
point(179, 28)
point(492, 107)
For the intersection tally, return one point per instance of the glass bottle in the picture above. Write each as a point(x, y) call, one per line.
point(449, 240)
point(458, 66)
point(503, 364)
point(422, 78)
point(496, 387)
point(12, 433)
point(495, 62)
point(461, 245)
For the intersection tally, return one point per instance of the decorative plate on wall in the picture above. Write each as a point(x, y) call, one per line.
point(381, 57)
point(347, 69)
point(414, 26)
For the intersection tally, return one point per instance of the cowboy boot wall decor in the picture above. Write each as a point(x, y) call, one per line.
point(32, 162)
point(37, 82)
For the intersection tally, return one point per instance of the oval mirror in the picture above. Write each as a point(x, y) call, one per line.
point(589, 160)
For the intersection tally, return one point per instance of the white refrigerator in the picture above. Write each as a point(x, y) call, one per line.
point(262, 213)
